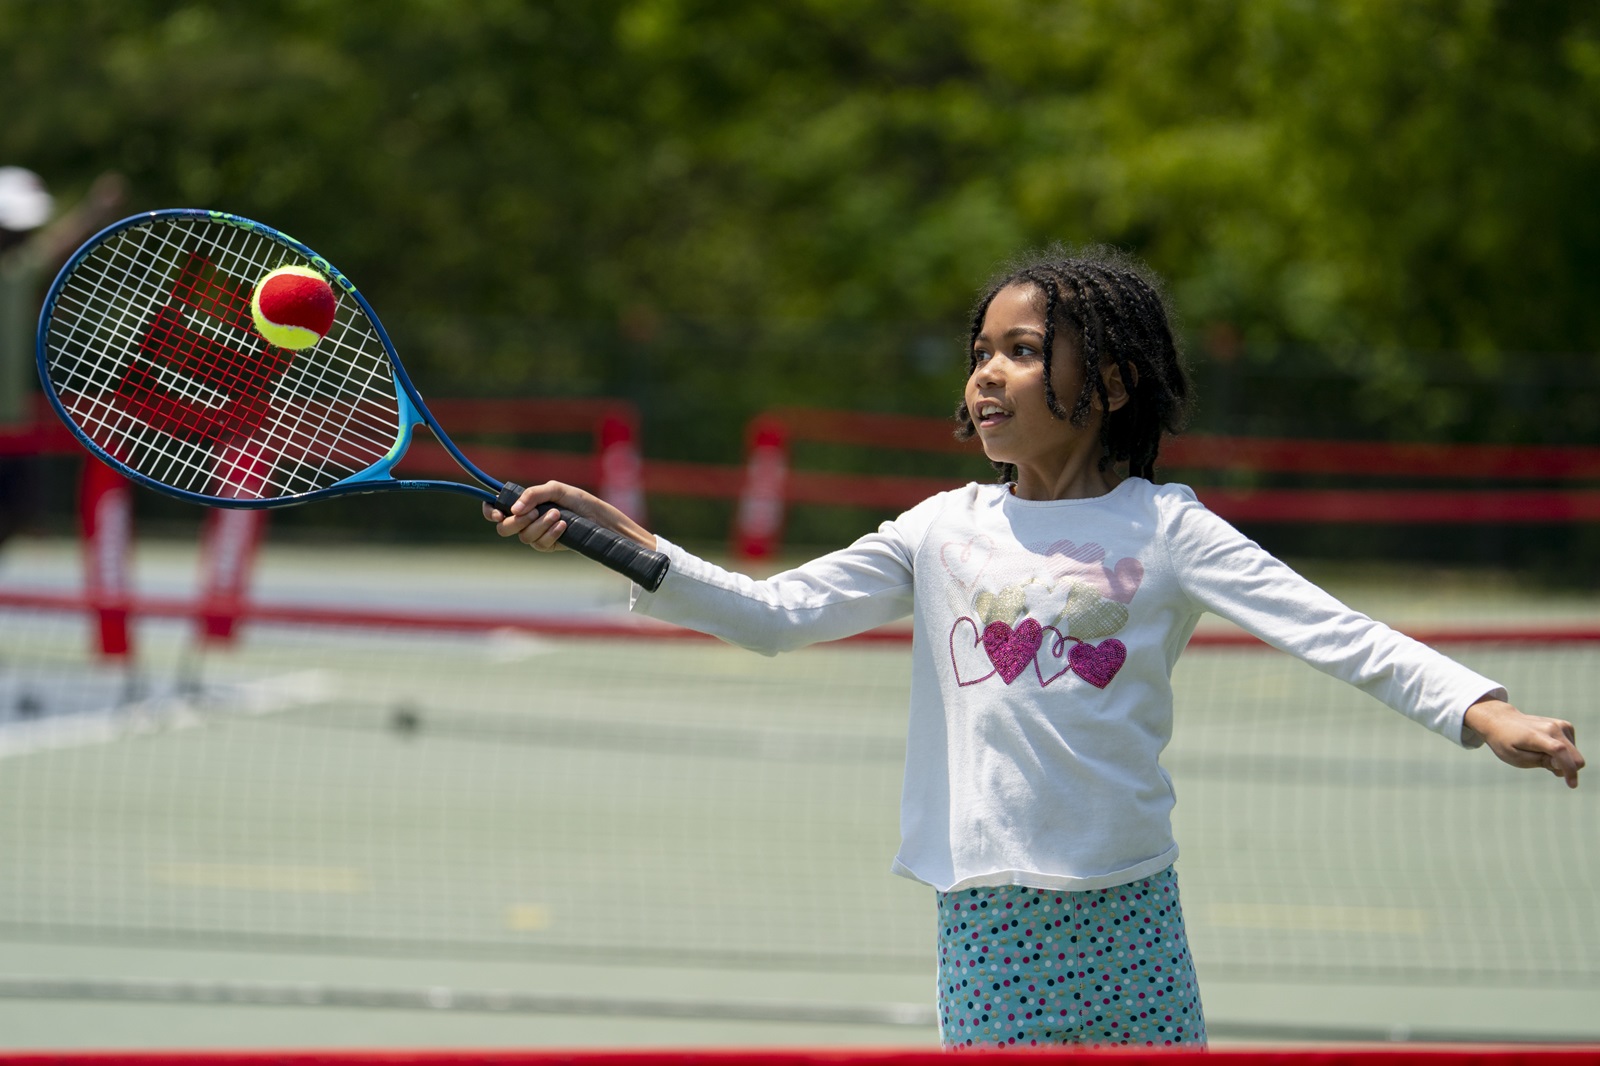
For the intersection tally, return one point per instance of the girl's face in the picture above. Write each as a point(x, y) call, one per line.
point(1006, 399)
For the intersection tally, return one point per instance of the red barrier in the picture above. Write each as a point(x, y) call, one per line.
point(1201, 451)
point(628, 627)
point(106, 519)
point(615, 469)
point(621, 465)
point(767, 484)
point(1441, 1055)
point(1381, 459)
point(777, 429)
point(41, 438)
point(758, 523)
point(1408, 507)
point(229, 540)
point(770, 482)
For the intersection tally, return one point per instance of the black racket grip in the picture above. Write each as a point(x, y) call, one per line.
point(645, 567)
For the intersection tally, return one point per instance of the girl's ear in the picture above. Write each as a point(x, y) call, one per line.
point(1117, 392)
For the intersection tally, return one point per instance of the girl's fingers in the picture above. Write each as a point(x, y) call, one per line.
point(543, 532)
point(550, 492)
point(523, 522)
point(1552, 748)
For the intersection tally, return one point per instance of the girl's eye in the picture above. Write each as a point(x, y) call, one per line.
point(979, 355)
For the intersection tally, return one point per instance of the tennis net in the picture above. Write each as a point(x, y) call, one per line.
point(444, 786)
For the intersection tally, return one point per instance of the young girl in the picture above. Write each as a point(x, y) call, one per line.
point(1049, 609)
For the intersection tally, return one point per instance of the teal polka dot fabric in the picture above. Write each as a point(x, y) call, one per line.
point(1032, 967)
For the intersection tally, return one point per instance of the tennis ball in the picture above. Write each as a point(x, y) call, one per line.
point(293, 307)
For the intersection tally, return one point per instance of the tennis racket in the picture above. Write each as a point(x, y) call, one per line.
point(148, 352)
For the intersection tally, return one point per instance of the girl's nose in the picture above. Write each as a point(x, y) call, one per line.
point(988, 372)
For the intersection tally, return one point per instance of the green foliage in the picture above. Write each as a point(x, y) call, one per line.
point(715, 207)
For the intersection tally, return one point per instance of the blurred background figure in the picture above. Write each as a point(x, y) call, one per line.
point(29, 250)
point(25, 204)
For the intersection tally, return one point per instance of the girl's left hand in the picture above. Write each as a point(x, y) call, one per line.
point(1525, 740)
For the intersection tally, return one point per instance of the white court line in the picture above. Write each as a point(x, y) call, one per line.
point(162, 714)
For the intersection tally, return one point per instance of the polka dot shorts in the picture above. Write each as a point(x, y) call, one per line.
point(1036, 967)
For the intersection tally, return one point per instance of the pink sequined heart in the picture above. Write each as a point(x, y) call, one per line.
point(1095, 663)
point(1011, 650)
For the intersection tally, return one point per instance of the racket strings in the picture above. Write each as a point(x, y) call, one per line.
point(185, 383)
point(152, 353)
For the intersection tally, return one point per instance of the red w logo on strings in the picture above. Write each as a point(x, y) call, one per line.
point(197, 385)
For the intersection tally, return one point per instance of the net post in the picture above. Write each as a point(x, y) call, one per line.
point(758, 522)
point(106, 520)
point(621, 468)
point(229, 541)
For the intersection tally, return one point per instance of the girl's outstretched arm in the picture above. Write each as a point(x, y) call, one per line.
point(542, 531)
point(1525, 740)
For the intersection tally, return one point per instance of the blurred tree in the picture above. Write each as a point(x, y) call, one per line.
point(714, 207)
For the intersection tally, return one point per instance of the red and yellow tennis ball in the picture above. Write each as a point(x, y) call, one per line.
point(293, 307)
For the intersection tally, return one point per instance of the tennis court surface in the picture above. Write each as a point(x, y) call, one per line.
point(474, 809)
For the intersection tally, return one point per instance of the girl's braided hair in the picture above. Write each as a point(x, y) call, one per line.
point(1114, 307)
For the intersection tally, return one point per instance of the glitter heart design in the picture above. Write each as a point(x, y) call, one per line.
point(1097, 663)
point(1007, 605)
point(967, 562)
point(1090, 616)
point(968, 658)
point(1011, 650)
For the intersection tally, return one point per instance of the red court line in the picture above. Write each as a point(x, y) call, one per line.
point(630, 627)
point(1417, 1055)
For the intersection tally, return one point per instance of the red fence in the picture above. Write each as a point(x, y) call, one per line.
point(771, 484)
point(768, 484)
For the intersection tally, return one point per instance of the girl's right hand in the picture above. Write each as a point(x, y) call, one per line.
point(543, 531)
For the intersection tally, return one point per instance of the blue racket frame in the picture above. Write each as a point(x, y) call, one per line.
point(413, 412)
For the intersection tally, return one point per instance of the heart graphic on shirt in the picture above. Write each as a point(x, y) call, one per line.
point(1085, 563)
point(1097, 663)
point(1083, 553)
point(965, 563)
point(1124, 579)
point(1007, 605)
point(1057, 648)
point(1089, 615)
point(1012, 650)
point(968, 657)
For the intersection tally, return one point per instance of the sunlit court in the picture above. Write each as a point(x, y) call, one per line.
point(656, 532)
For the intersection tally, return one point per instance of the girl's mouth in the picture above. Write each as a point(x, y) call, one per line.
point(991, 414)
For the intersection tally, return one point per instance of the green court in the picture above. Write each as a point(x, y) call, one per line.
point(334, 836)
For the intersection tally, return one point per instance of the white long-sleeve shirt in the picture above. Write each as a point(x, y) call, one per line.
point(1044, 638)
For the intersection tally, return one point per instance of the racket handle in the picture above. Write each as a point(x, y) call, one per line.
point(645, 567)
